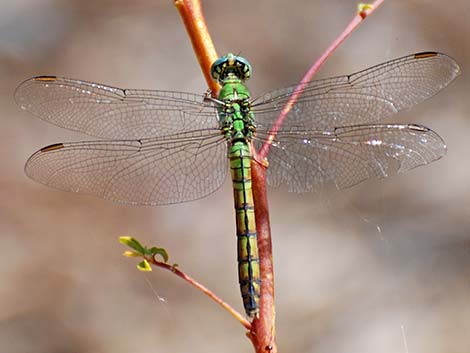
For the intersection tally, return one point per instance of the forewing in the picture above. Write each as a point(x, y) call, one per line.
point(345, 156)
point(115, 113)
point(364, 97)
point(154, 171)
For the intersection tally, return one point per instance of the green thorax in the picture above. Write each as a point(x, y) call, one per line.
point(235, 115)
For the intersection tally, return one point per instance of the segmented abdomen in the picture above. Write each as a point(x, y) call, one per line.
point(248, 260)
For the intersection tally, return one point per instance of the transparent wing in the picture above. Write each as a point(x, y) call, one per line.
point(153, 171)
point(110, 112)
point(364, 97)
point(345, 156)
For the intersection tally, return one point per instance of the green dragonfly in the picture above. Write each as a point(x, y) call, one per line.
point(163, 147)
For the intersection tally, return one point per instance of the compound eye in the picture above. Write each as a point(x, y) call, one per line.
point(245, 72)
point(244, 68)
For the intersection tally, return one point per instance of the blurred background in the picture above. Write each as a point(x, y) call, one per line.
point(381, 267)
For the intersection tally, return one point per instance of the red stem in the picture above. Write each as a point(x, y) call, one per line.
point(355, 22)
point(195, 23)
point(203, 289)
point(262, 331)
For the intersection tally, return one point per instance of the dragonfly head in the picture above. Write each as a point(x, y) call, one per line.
point(230, 64)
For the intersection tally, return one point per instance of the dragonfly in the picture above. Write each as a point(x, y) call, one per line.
point(158, 147)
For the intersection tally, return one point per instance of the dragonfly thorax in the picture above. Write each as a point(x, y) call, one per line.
point(237, 120)
point(234, 106)
point(233, 90)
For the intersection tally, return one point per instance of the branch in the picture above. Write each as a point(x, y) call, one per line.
point(262, 332)
point(363, 12)
point(149, 254)
point(203, 289)
point(193, 19)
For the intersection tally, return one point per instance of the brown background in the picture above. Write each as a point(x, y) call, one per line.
point(382, 267)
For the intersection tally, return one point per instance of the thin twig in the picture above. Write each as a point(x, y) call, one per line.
point(193, 19)
point(355, 22)
point(203, 289)
point(262, 332)
point(262, 329)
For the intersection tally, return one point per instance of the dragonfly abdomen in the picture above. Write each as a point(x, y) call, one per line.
point(248, 260)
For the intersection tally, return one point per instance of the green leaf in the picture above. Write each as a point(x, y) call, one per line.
point(133, 244)
point(129, 253)
point(144, 266)
point(159, 251)
point(363, 7)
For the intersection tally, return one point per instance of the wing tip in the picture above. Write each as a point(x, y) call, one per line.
point(418, 127)
point(44, 78)
point(46, 149)
point(441, 149)
point(17, 95)
point(425, 54)
point(53, 147)
point(431, 54)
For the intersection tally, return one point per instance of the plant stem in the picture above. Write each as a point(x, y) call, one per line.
point(193, 19)
point(262, 330)
point(263, 333)
point(355, 22)
point(203, 289)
